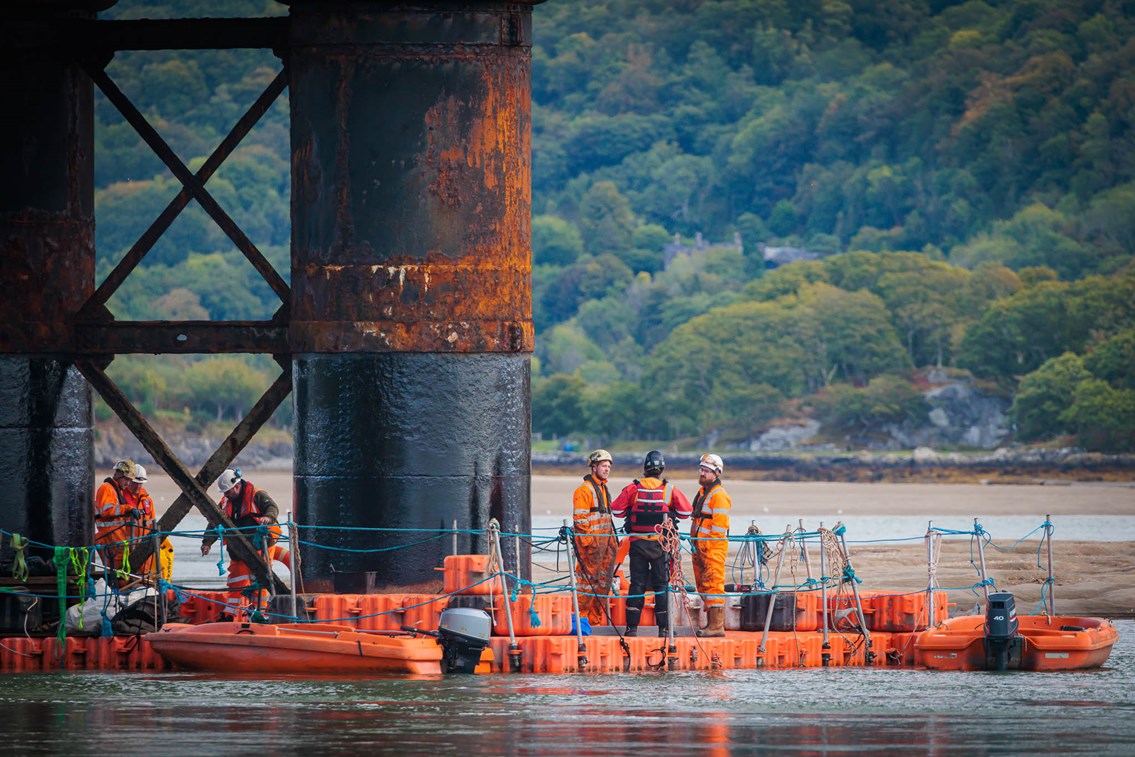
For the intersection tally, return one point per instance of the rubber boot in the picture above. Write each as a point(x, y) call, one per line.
point(716, 625)
point(663, 623)
point(633, 615)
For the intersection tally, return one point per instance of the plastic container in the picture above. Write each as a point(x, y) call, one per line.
point(785, 614)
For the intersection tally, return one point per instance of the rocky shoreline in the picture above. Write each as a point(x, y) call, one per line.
point(1005, 465)
point(924, 465)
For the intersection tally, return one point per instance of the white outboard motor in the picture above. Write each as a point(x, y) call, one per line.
point(1002, 644)
point(463, 633)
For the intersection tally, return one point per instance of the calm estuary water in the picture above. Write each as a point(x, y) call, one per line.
point(805, 712)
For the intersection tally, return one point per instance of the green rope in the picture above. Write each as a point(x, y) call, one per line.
point(80, 560)
point(123, 572)
point(19, 563)
point(62, 559)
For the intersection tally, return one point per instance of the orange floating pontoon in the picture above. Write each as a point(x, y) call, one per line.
point(1056, 643)
point(303, 649)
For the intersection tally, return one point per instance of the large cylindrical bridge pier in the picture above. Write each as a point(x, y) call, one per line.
point(411, 274)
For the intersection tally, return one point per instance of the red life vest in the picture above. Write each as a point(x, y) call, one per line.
point(246, 511)
point(649, 509)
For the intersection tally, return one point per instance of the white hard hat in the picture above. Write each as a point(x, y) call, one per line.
point(228, 479)
point(139, 474)
point(713, 462)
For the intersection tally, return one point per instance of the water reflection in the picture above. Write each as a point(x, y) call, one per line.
point(805, 712)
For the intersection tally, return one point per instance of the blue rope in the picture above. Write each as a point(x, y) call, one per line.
point(221, 551)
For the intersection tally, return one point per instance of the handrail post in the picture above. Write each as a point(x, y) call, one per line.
point(869, 654)
point(930, 578)
point(977, 530)
point(513, 648)
point(826, 647)
point(159, 595)
point(294, 551)
point(773, 592)
point(581, 649)
point(1051, 579)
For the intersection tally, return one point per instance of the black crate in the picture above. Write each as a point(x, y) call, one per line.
point(754, 610)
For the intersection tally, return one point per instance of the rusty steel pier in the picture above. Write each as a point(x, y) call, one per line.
point(405, 334)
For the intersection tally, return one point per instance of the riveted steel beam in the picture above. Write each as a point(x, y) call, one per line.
point(181, 337)
point(71, 36)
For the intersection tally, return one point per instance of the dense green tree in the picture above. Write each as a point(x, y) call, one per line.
point(1114, 360)
point(1016, 335)
point(846, 336)
point(884, 400)
point(606, 219)
point(555, 241)
point(1035, 236)
point(696, 371)
point(557, 405)
point(926, 305)
point(1101, 416)
point(565, 348)
point(789, 279)
point(588, 278)
point(228, 385)
point(1044, 396)
point(606, 322)
point(618, 411)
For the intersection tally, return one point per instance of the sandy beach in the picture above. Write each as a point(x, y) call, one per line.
point(1093, 577)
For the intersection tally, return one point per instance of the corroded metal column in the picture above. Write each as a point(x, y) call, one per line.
point(411, 324)
point(47, 261)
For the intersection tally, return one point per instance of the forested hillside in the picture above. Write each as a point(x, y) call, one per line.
point(955, 180)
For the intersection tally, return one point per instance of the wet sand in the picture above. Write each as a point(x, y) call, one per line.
point(1092, 577)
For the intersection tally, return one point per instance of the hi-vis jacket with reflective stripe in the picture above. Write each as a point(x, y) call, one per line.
point(710, 518)
point(113, 504)
point(591, 508)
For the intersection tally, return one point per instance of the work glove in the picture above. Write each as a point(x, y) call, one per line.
point(136, 513)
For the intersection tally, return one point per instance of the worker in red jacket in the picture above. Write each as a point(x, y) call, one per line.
point(646, 504)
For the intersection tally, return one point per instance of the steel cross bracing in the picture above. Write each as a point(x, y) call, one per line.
point(98, 337)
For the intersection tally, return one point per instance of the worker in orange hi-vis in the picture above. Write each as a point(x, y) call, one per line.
point(595, 540)
point(116, 511)
point(147, 523)
point(709, 539)
point(248, 508)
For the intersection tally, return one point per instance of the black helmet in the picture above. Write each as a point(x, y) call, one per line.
point(653, 465)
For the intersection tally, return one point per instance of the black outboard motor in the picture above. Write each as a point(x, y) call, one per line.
point(463, 633)
point(1002, 644)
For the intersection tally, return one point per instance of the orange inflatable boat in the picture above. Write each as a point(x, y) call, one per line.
point(301, 649)
point(1039, 643)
